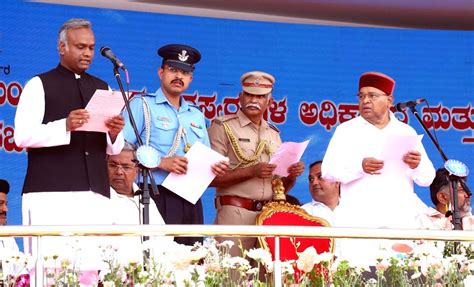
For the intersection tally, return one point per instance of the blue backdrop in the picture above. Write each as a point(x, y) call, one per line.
point(316, 70)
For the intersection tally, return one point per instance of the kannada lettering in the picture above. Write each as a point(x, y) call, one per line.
point(10, 93)
point(7, 142)
point(276, 112)
point(329, 114)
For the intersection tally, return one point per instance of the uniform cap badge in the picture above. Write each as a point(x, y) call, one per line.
point(183, 57)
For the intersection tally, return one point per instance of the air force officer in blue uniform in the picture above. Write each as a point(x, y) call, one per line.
point(169, 124)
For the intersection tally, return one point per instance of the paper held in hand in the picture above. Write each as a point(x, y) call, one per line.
point(103, 105)
point(287, 154)
point(192, 185)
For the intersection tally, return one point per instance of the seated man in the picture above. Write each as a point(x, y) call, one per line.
point(125, 196)
point(439, 217)
point(325, 194)
point(8, 246)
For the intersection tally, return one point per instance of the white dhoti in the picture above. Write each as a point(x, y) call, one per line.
point(67, 208)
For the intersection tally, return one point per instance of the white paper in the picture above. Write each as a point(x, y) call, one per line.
point(287, 154)
point(103, 105)
point(192, 185)
point(394, 149)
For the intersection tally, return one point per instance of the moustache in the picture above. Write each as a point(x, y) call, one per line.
point(3, 213)
point(253, 105)
point(177, 81)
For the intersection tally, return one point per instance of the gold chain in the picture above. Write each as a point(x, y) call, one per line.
point(245, 161)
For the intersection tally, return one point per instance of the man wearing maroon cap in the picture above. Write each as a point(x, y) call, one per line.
point(248, 140)
point(376, 191)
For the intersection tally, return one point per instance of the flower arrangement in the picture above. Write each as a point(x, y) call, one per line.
point(210, 264)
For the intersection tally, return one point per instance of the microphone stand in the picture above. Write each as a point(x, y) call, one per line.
point(146, 172)
point(453, 179)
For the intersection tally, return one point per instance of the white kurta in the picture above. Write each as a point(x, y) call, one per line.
point(379, 200)
point(67, 208)
point(128, 211)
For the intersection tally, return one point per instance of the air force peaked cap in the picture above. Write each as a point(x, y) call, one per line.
point(179, 56)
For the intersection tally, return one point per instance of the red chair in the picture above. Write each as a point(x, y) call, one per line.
point(285, 214)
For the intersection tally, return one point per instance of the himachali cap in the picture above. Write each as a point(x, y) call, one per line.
point(257, 83)
point(180, 56)
point(377, 80)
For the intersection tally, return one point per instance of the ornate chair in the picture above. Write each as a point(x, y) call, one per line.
point(281, 213)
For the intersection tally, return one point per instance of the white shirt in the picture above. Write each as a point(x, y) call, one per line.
point(382, 200)
point(319, 209)
point(30, 132)
point(431, 218)
point(127, 211)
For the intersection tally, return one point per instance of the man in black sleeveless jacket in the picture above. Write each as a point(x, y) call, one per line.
point(66, 182)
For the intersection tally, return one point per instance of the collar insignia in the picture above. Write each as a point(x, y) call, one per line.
point(183, 57)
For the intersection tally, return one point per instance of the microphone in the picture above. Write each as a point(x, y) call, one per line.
point(106, 52)
point(410, 104)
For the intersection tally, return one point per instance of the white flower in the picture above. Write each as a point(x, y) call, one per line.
point(416, 275)
point(196, 255)
point(227, 244)
point(252, 271)
point(325, 257)
point(287, 267)
point(371, 282)
point(235, 262)
point(382, 265)
point(260, 255)
point(428, 249)
point(307, 259)
point(108, 284)
point(469, 280)
point(458, 258)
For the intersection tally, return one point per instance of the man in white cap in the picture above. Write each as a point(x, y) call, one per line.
point(248, 140)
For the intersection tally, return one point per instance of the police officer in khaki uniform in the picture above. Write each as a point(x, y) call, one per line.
point(248, 141)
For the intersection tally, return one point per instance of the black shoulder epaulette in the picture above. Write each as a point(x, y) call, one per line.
point(271, 125)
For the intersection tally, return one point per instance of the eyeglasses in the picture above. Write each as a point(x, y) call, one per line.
point(125, 167)
point(371, 96)
point(174, 70)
